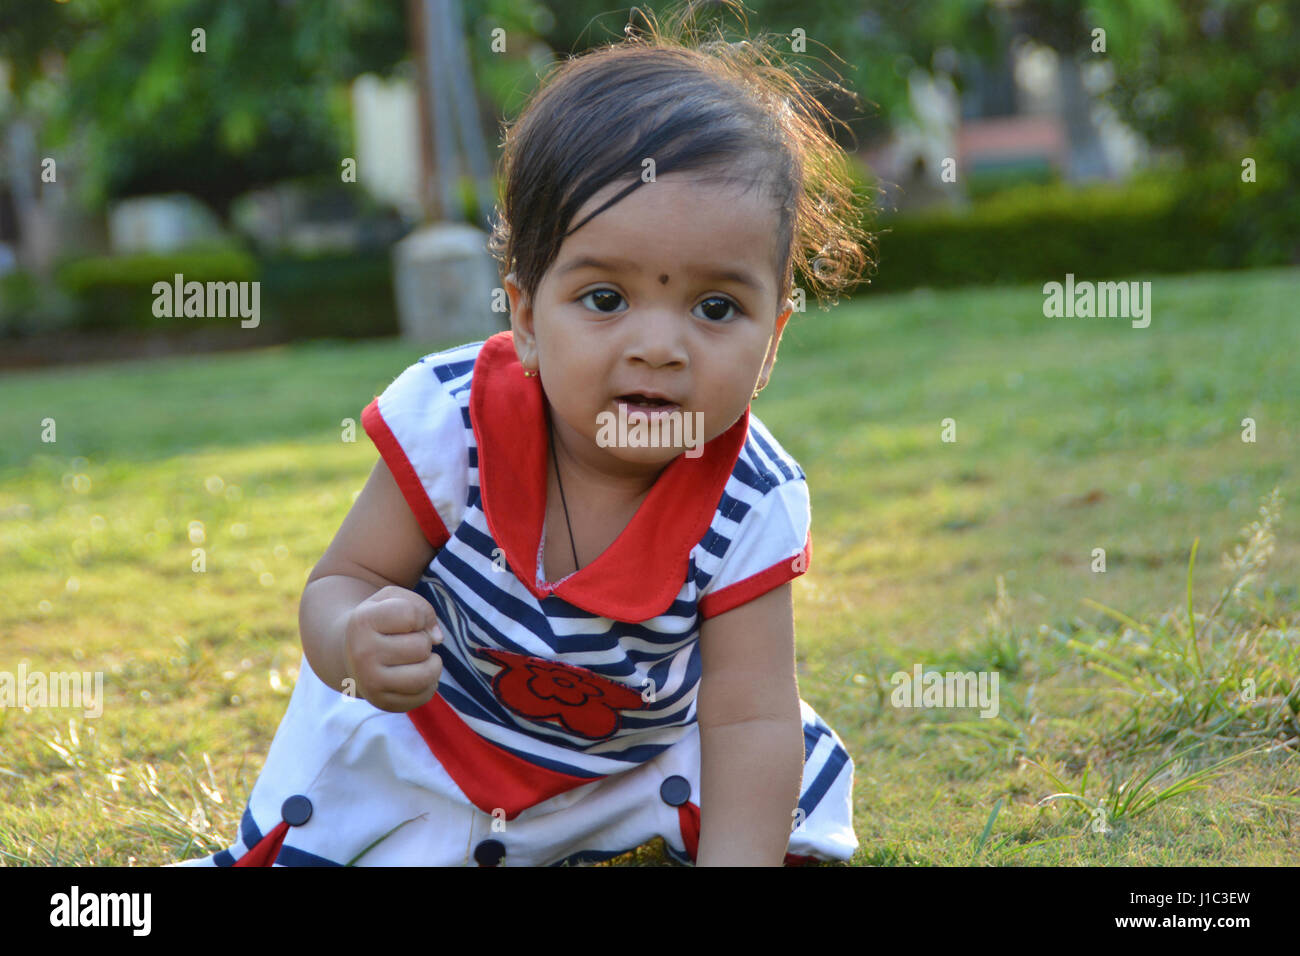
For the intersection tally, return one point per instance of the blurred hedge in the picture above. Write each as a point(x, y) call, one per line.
point(116, 292)
point(1153, 224)
point(349, 296)
point(343, 295)
point(27, 307)
point(1028, 234)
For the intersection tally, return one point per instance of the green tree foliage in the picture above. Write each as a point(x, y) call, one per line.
point(1219, 82)
point(870, 47)
point(145, 112)
point(1212, 80)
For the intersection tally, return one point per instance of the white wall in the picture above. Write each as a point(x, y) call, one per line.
point(387, 123)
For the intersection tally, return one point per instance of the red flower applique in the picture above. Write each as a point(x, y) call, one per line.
point(581, 702)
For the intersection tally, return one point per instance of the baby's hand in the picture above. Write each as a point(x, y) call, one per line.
point(388, 644)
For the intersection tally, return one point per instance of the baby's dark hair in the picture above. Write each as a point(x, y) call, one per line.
point(732, 112)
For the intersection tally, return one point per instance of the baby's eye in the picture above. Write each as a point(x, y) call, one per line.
point(604, 300)
point(715, 308)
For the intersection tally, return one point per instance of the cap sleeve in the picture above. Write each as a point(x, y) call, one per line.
point(770, 545)
point(418, 429)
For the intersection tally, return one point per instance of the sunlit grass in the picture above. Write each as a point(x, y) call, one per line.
point(973, 555)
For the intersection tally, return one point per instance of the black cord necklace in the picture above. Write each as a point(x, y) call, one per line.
point(556, 459)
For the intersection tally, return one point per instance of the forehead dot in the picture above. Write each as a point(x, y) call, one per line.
point(663, 279)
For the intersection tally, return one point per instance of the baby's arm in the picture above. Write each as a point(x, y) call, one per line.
point(379, 545)
point(751, 733)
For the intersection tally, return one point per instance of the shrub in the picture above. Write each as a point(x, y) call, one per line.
point(1036, 233)
point(116, 292)
point(28, 306)
point(347, 295)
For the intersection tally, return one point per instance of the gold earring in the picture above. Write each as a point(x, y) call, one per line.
point(528, 374)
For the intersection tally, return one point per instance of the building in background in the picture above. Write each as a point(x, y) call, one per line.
point(1035, 117)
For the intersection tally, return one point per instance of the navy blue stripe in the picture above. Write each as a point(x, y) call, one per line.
point(446, 371)
point(811, 734)
point(732, 508)
point(248, 831)
point(479, 542)
point(599, 643)
point(821, 725)
point(534, 617)
point(658, 671)
point(472, 695)
point(465, 576)
point(454, 385)
point(467, 677)
point(478, 701)
point(694, 667)
point(556, 765)
point(834, 764)
point(467, 706)
point(679, 857)
point(224, 858)
point(746, 474)
point(770, 477)
point(715, 543)
point(632, 756)
point(633, 722)
point(449, 565)
point(477, 685)
point(487, 707)
point(770, 452)
point(292, 856)
point(680, 608)
point(560, 738)
point(529, 617)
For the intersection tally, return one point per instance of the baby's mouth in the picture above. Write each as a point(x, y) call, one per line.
point(637, 401)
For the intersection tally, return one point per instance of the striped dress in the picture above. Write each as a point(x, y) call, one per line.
point(564, 727)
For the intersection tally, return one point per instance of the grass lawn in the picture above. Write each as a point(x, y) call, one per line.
point(973, 555)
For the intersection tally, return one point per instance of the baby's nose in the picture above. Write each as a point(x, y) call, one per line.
point(658, 339)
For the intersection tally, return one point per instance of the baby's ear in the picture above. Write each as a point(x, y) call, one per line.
point(787, 309)
point(518, 297)
point(521, 323)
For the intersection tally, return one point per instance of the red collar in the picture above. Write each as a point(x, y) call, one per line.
point(638, 576)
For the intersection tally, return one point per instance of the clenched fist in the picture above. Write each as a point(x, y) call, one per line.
point(387, 645)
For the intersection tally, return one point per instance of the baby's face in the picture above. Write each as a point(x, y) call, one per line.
point(672, 291)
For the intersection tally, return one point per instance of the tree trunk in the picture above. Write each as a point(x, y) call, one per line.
point(1087, 158)
point(37, 235)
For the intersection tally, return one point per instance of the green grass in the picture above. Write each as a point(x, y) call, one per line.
point(1125, 735)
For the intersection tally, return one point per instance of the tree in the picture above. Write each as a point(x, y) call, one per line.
point(871, 48)
point(199, 96)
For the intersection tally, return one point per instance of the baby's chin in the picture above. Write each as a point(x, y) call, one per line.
point(652, 457)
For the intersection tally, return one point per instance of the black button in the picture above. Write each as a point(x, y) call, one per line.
point(489, 853)
point(675, 791)
point(296, 810)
